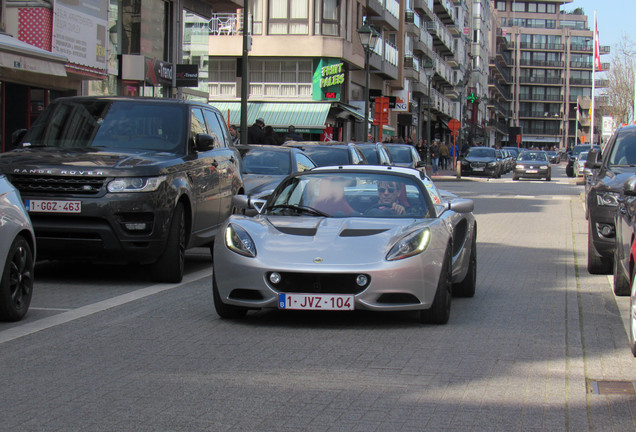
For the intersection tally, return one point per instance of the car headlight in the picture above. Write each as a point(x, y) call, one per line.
point(492, 164)
point(239, 241)
point(543, 167)
point(519, 167)
point(609, 199)
point(409, 245)
point(135, 184)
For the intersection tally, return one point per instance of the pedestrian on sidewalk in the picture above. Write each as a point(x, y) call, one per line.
point(435, 155)
point(443, 156)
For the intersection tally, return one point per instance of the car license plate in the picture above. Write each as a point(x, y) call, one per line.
point(316, 301)
point(532, 171)
point(478, 169)
point(53, 206)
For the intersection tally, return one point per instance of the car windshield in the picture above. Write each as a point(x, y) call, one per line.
point(481, 152)
point(528, 156)
point(624, 149)
point(401, 154)
point(111, 125)
point(352, 194)
point(261, 161)
point(582, 156)
point(328, 155)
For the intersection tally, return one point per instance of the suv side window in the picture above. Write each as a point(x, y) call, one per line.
point(215, 128)
point(624, 149)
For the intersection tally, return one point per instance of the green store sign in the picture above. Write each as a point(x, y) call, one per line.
point(329, 75)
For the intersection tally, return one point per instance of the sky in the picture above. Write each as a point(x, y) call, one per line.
point(615, 19)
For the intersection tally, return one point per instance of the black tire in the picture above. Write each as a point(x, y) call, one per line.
point(466, 288)
point(569, 171)
point(439, 312)
point(16, 286)
point(169, 267)
point(548, 178)
point(224, 310)
point(515, 178)
point(621, 282)
point(596, 264)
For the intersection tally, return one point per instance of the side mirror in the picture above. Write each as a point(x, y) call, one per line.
point(593, 160)
point(461, 205)
point(203, 142)
point(629, 187)
point(16, 136)
point(420, 164)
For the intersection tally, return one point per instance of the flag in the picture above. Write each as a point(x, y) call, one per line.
point(597, 48)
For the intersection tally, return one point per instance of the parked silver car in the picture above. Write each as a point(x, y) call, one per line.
point(17, 254)
point(334, 238)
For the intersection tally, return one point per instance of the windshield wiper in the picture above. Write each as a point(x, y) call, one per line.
point(299, 208)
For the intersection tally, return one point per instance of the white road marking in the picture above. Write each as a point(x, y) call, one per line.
point(84, 311)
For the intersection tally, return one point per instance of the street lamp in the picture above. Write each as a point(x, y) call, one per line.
point(368, 38)
point(429, 72)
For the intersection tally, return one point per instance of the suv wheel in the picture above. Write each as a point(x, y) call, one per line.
point(169, 267)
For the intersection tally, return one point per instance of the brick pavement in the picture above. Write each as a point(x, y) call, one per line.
point(517, 356)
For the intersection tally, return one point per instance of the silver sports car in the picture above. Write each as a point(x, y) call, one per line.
point(345, 238)
point(17, 254)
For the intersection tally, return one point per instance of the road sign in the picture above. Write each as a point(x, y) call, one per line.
point(454, 125)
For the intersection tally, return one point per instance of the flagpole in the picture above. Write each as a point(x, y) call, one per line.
point(576, 125)
point(593, 81)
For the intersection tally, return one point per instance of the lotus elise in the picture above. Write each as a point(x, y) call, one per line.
point(348, 238)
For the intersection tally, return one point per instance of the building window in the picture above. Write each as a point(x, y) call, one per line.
point(501, 5)
point(278, 78)
point(289, 17)
point(551, 8)
point(518, 6)
point(327, 17)
point(222, 82)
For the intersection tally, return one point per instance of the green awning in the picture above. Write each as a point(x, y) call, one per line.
point(303, 115)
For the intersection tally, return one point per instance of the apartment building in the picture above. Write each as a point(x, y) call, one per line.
point(551, 69)
point(300, 46)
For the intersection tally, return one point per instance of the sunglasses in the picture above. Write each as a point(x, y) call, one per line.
point(389, 190)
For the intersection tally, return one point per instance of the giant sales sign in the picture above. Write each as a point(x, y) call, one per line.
point(329, 75)
point(79, 31)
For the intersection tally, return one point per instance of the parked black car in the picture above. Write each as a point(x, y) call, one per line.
point(331, 153)
point(265, 166)
point(625, 223)
point(617, 164)
point(375, 153)
point(481, 161)
point(532, 164)
point(407, 156)
point(134, 180)
point(569, 168)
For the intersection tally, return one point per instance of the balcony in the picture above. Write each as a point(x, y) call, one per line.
point(541, 46)
point(226, 24)
point(542, 63)
point(540, 80)
point(426, 7)
point(581, 47)
point(384, 13)
point(581, 82)
point(581, 65)
point(502, 90)
point(540, 114)
point(544, 97)
point(601, 83)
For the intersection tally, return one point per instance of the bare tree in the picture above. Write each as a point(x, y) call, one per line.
point(621, 82)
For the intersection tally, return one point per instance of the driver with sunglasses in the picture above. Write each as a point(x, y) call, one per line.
point(388, 197)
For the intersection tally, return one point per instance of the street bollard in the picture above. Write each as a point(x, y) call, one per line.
point(458, 169)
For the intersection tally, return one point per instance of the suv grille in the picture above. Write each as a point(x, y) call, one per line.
point(319, 283)
point(30, 184)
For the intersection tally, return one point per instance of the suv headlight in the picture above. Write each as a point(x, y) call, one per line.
point(239, 241)
point(135, 184)
point(609, 199)
point(409, 245)
point(492, 164)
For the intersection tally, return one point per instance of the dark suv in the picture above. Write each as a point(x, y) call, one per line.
point(605, 186)
point(133, 180)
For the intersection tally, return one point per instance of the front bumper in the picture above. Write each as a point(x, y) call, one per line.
point(408, 284)
point(123, 227)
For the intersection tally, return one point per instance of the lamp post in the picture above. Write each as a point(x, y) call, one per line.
point(429, 77)
point(368, 39)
